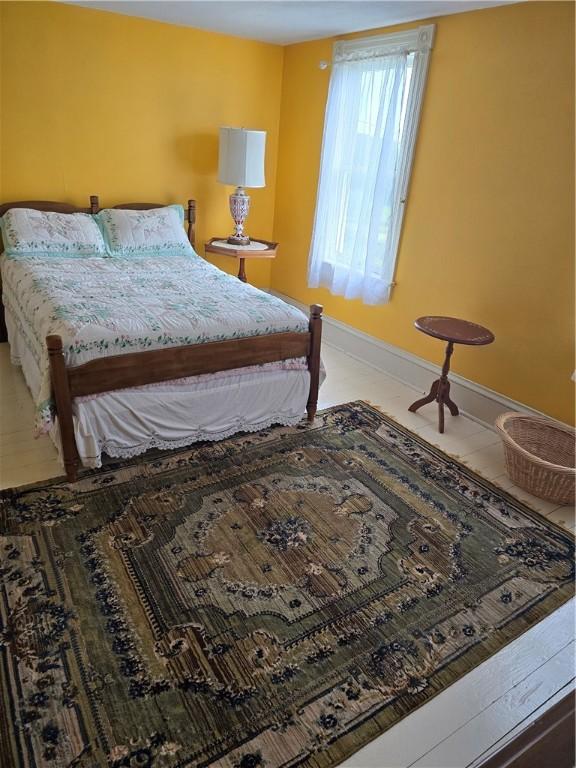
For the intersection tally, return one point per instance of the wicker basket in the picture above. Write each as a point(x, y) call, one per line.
point(539, 455)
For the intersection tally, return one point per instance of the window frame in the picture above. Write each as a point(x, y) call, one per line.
point(418, 41)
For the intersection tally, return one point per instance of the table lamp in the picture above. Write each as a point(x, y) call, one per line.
point(241, 162)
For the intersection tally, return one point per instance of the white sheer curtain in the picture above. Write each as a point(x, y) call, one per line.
point(354, 241)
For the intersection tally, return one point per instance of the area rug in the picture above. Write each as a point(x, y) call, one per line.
point(271, 600)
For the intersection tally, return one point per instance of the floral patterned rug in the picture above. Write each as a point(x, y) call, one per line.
point(271, 600)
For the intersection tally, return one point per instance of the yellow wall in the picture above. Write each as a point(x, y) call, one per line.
point(99, 103)
point(489, 227)
point(95, 102)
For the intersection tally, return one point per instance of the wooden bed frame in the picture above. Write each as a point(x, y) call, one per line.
point(135, 369)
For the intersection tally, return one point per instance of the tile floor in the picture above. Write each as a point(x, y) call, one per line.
point(476, 715)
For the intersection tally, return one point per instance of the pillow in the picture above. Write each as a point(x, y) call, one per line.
point(44, 233)
point(158, 231)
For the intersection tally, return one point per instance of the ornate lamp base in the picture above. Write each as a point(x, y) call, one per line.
point(239, 207)
point(238, 240)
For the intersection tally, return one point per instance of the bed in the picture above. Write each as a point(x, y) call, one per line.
point(126, 354)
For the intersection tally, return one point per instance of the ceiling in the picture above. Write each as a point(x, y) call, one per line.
point(287, 21)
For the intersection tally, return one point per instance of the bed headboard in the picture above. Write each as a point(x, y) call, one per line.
point(94, 207)
point(50, 205)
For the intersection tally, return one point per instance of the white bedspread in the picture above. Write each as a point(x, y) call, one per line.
point(109, 306)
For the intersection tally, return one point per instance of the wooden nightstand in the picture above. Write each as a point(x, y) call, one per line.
point(257, 249)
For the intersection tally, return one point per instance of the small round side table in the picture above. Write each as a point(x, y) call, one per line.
point(454, 331)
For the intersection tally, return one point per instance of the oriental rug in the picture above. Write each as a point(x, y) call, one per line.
point(271, 600)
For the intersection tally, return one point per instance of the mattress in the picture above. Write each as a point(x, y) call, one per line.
point(109, 306)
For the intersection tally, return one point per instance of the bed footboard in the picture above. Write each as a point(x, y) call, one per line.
point(139, 368)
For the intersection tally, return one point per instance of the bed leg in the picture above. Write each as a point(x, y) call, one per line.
point(314, 358)
point(63, 399)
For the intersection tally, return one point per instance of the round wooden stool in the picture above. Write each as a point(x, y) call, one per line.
point(454, 331)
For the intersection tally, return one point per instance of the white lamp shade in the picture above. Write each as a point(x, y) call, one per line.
point(241, 157)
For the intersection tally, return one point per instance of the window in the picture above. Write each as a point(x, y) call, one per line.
point(372, 113)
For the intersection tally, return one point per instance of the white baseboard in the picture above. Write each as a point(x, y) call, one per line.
point(477, 402)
